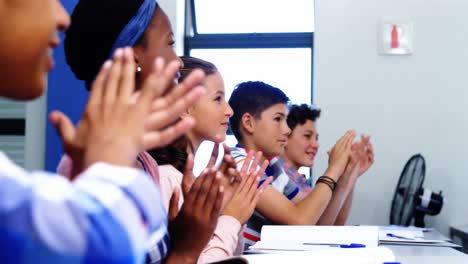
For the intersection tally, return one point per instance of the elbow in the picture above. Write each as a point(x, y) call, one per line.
point(301, 220)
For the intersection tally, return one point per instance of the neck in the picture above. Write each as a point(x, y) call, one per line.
point(250, 146)
point(293, 164)
point(194, 142)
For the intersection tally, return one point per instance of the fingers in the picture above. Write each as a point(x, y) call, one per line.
point(174, 205)
point(188, 178)
point(98, 85)
point(254, 179)
point(214, 155)
point(158, 139)
point(254, 166)
point(158, 81)
point(160, 118)
point(63, 125)
point(262, 169)
point(109, 93)
point(192, 81)
point(216, 209)
point(262, 187)
point(212, 194)
point(246, 163)
point(191, 195)
point(127, 84)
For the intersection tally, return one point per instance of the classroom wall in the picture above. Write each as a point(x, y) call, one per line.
point(409, 104)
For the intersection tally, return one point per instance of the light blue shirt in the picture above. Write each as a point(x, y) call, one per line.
point(109, 214)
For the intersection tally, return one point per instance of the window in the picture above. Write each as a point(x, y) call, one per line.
point(249, 16)
point(249, 40)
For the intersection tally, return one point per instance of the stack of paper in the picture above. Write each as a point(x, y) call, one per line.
point(395, 235)
point(319, 244)
point(301, 238)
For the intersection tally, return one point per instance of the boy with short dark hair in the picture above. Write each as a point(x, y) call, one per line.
point(259, 124)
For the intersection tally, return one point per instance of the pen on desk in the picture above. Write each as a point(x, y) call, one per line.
point(351, 245)
point(397, 236)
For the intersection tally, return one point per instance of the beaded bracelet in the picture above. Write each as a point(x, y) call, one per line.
point(331, 183)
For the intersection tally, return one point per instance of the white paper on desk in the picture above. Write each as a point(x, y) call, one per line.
point(383, 234)
point(293, 237)
point(328, 255)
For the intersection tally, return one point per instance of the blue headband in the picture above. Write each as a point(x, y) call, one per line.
point(136, 27)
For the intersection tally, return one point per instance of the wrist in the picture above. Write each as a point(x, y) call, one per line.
point(117, 153)
point(332, 173)
point(181, 257)
point(177, 257)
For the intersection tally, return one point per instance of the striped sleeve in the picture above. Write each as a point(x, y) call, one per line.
point(239, 155)
point(103, 216)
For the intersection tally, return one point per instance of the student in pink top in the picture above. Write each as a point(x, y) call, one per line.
point(211, 114)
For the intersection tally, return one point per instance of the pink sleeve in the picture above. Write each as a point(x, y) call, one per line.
point(150, 165)
point(225, 240)
point(65, 167)
point(168, 181)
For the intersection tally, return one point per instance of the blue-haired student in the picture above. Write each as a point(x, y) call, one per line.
point(259, 124)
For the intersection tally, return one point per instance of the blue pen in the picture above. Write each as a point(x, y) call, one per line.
point(397, 236)
point(352, 245)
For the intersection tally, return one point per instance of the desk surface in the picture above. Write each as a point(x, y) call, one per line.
point(426, 254)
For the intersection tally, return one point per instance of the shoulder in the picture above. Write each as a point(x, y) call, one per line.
point(169, 173)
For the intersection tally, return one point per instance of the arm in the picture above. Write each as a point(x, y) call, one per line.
point(224, 241)
point(277, 208)
point(360, 161)
point(46, 215)
point(344, 213)
point(335, 207)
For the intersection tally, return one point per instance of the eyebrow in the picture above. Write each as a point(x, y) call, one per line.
point(281, 114)
point(219, 92)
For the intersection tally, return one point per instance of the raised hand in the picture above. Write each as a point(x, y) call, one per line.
point(164, 106)
point(365, 154)
point(245, 198)
point(351, 172)
point(339, 155)
point(112, 126)
point(193, 226)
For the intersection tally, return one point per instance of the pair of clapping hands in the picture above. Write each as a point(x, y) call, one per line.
point(349, 159)
point(217, 190)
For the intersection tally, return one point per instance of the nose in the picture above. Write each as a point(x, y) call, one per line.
point(181, 63)
point(63, 19)
point(229, 112)
point(286, 129)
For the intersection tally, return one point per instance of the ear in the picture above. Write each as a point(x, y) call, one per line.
point(248, 123)
point(137, 53)
point(187, 112)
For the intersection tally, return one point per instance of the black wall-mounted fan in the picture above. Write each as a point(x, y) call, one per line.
point(411, 201)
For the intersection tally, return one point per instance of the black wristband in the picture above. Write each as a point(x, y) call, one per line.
point(328, 181)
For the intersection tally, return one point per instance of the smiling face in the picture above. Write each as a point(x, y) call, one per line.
point(211, 112)
point(302, 145)
point(270, 131)
point(29, 31)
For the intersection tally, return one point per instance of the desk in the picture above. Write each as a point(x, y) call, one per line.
point(408, 254)
point(430, 255)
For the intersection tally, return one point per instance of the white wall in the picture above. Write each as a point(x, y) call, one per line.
point(175, 10)
point(411, 104)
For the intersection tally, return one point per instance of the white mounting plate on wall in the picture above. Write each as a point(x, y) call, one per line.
point(395, 37)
